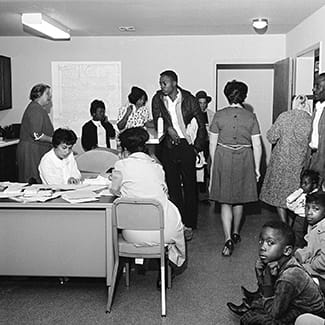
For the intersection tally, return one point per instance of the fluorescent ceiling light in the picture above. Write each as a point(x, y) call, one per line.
point(260, 23)
point(45, 25)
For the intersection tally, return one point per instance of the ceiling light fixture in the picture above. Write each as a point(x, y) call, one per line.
point(127, 29)
point(46, 26)
point(260, 23)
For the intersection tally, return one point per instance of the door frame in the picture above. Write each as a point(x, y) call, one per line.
point(239, 66)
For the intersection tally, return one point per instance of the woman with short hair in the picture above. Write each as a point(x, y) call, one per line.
point(140, 176)
point(35, 134)
point(235, 149)
point(135, 113)
point(58, 166)
point(97, 132)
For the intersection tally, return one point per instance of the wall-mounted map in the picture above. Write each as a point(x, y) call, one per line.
point(76, 84)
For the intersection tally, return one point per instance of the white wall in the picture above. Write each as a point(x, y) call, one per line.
point(304, 76)
point(307, 34)
point(142, 58)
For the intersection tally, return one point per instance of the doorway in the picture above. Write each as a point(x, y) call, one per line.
point(306, 70)
point(260, 81)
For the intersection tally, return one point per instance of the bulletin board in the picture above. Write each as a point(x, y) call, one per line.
point(76, 84)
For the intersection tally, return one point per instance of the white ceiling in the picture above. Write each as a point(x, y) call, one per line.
point(164, 17)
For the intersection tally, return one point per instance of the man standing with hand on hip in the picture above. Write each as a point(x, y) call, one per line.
point(178, 107)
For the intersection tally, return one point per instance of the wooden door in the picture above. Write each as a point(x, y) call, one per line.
point(282, 93)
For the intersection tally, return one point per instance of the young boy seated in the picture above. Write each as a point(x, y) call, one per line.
point(312, 257)
point(295, 292)
point(309, 181)
point(58, 166)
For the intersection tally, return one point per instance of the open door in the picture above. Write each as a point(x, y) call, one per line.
point(282, 92)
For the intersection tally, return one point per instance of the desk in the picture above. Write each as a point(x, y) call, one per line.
point(56, 238)
point(8, 162)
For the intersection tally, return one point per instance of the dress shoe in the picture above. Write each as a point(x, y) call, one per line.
point(228, 248)
point(235, 238)
point(238, 310)
point(250, 295)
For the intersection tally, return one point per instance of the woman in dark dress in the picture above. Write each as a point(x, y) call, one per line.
point(35, 134)
point(235, 149)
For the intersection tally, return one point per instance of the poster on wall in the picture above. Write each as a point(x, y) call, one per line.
point(76, 84)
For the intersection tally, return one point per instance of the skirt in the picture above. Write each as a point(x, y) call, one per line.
point(233, 179)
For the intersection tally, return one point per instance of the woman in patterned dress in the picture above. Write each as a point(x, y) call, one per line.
point(235, 149)
point(289, 134)
point(134, 113)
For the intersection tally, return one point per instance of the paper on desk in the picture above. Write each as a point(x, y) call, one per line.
point(4, 195)
point(80, 200)
point(80, 196)
point(14, 189)
point(106, 192)
point(99, 180)
point(35, 198)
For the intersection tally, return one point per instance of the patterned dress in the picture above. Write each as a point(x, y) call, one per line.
point(138, 117)
point(289, 133)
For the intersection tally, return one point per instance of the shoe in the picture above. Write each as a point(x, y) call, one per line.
point(238, 310)
point(228, 248)
point(235, 238)
point(188, 233)
point(250, 295)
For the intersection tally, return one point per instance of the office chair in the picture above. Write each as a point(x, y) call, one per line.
point(96, 161)
point(144, 215)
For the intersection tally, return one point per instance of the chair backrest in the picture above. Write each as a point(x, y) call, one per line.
point(137, 214)
point(97, 160)
point(77, 148)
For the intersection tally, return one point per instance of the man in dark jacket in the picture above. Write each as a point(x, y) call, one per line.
point(178, 152)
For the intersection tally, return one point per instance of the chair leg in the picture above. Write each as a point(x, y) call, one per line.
point(112, 287)
point(127, 273)
point(163, 292)
point(169, 276)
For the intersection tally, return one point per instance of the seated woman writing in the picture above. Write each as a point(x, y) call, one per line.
point(58, 166)
point(140, 176)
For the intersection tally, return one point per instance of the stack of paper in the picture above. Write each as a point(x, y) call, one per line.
point(38, 197)
point(80, 196)
point(13, 189)
point(99, 180)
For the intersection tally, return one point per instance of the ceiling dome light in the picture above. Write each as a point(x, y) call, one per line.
point(260, 23)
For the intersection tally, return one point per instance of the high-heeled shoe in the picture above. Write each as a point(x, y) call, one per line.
point(228, 248)
point(235, 238)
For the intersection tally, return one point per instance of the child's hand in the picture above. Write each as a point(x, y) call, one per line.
point(274, 268)
point(259, 267)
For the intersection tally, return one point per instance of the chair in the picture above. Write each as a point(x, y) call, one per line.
point(77, 148)
point(144, 215)
point(96, 161)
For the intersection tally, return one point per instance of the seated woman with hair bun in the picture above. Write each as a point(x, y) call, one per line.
point(58, 166)
point(140, 176)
